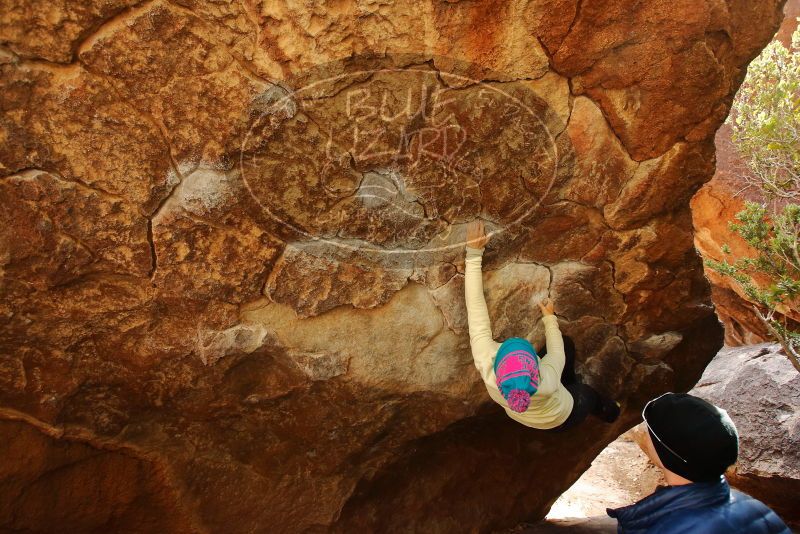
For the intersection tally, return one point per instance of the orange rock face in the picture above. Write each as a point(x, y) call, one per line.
point(713, 208)
point(715, 205)
point(232, 238)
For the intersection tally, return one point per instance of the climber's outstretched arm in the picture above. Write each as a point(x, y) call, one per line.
point(552, 365)
point(484, 348)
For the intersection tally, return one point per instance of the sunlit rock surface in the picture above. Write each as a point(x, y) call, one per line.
point(231, 252)
point(715, 206)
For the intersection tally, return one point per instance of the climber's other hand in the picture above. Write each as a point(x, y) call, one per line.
point(546, 305)
point(476, 235)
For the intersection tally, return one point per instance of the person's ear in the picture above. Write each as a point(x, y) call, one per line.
point(642, 438)
point(638, 433)
point(651, 450)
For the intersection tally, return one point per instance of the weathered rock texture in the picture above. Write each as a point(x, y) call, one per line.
point(715, 205)
point(231, 249)
point(760, 389)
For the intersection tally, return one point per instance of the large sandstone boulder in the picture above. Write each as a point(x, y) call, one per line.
point(760, 389)
point(231, 249)
point(715, 206)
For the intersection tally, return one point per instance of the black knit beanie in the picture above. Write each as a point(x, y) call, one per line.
point(693, 438)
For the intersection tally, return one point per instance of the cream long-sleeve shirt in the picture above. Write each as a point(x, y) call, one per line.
point(552, 403)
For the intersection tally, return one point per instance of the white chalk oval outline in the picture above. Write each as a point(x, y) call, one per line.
point(376, 249)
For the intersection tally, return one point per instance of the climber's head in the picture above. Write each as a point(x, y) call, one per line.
point(517, 370)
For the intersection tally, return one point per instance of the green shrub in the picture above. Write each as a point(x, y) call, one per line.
point(766, 132)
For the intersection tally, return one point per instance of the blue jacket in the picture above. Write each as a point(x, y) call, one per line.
point(698, 508)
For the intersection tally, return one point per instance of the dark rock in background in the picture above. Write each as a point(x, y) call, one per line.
point(760, 390)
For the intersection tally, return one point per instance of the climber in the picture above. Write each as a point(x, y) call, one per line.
point(693, 442)
point(538, 390)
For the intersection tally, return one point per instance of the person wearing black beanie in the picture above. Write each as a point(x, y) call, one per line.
point(693, 442)
point(702, 434)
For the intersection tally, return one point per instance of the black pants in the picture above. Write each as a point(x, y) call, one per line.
point(586, 400)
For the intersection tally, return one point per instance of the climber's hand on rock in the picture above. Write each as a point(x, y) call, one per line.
point(546, 305)
point(476, 235)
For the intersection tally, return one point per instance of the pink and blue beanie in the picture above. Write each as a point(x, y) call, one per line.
point(516, 367)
